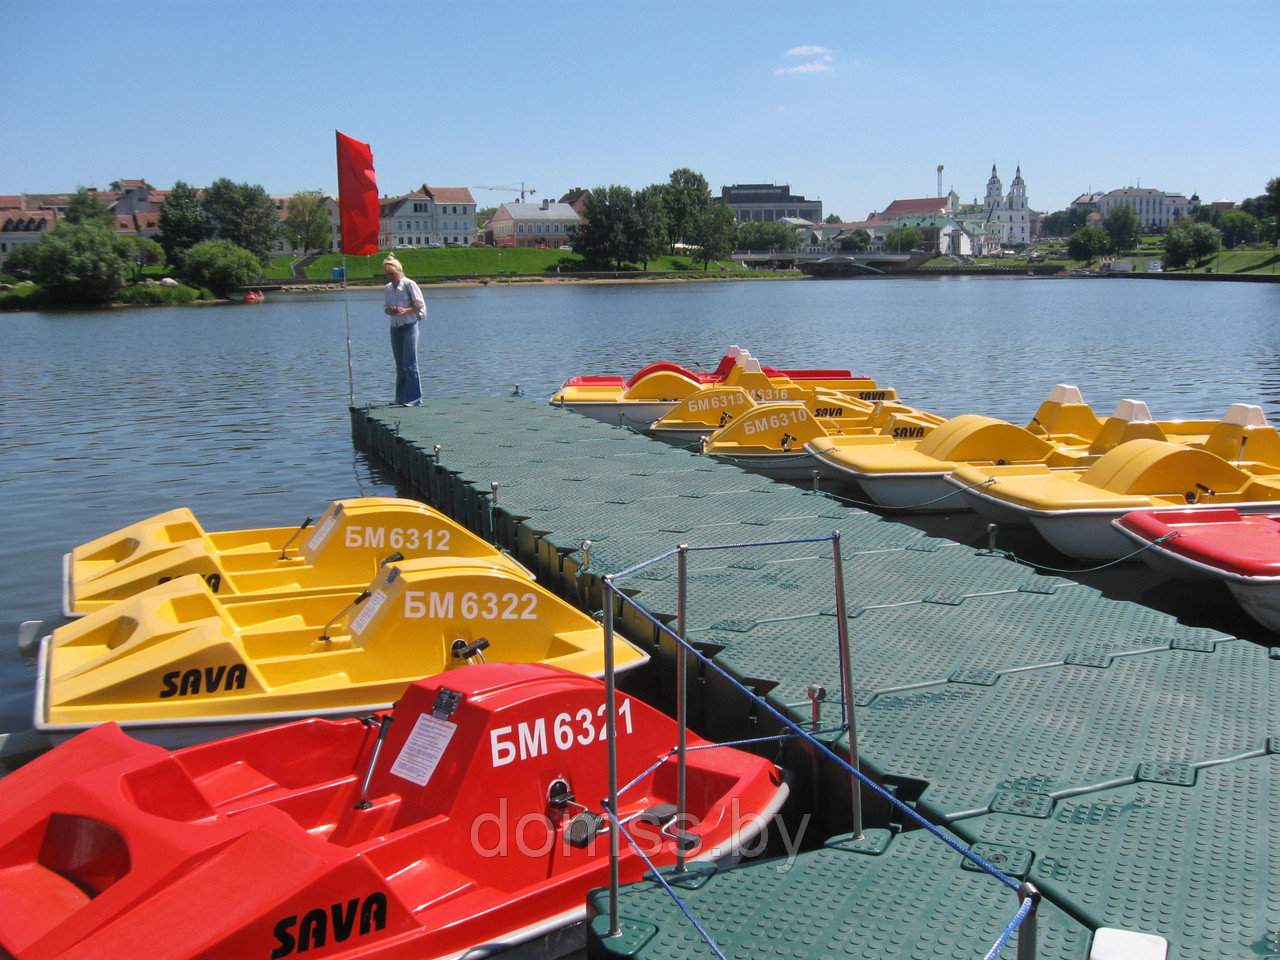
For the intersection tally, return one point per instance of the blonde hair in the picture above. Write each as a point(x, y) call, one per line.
point(391, 263)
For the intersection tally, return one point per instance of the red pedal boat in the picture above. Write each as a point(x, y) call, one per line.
point(1241, 550)
point(470, 814)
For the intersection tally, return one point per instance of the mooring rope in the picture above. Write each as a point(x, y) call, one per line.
point(927, 503)
point(1010, 555)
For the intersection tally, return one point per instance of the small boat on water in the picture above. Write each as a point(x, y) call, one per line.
point(342, 551)
point(775, 438)
point(713, 408)
point(908, 469)
point(1073, 508)
point(176, 665)
point(1239, 550)
point(469, 816)
point(655, 390)
point(254, 296)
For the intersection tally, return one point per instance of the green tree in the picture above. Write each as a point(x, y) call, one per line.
point(1088, 243)
point(243, 214)
point(220, 265)
point(23, 260)
point(685, 195)
point(650, 225)
point(714, 230)
point(182, 225)
point(1063, 223)
point(147, 253)
point(83, 263)
point(607, 239)
point(856, 242)
point(1202, 214)
point(903, 239)
point(1187, 240)
point(833, 218)
point(1237, 227)
point(760, 236)
point(1122, 226)
point(1273, 194)
point(306, 224)
point(85, 207)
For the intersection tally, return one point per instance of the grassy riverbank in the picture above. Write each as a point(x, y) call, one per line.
point(490, 262)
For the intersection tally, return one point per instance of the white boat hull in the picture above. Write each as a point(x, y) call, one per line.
point(1092, 534)
point(780, 466)
point(998, 511)
point(915, 492)
point(637, 414)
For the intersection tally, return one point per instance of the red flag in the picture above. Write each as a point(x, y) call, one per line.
point(357, 197)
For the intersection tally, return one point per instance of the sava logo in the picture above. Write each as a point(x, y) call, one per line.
point(340, 919)
point(828, 412)
point(907, 433)
point(184, 683)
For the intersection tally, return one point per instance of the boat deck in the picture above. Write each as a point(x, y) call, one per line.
point(1118, 759)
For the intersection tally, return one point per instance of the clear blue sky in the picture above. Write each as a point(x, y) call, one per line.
point(855, 102)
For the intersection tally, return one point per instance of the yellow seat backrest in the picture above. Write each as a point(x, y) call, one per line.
point(1244, 434)
point(1065, 417)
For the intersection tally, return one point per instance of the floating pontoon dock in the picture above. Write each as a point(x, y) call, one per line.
point(1122, 762)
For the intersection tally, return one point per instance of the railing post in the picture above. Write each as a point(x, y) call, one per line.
point(846, 683)
point(611, 734)
point(493, 511)
point(682, 719)
point(1027, 932)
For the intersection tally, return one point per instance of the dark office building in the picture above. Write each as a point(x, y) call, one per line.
point(768, 201)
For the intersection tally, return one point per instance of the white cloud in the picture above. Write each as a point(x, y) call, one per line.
point(820, 60)
point(809, 52)
point(814, 66)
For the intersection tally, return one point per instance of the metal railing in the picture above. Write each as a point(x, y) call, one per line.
point(1023, 923)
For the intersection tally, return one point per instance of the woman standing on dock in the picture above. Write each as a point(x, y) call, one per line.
point(405, 307)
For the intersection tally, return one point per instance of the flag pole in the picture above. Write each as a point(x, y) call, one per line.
point(346, 308)
point(358, 221)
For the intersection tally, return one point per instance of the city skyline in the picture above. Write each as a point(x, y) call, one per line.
point(852, 103)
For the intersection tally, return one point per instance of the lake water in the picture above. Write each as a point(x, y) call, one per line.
point(239, 411)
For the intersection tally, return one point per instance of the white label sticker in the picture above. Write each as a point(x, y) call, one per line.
point(371, 607)
point(423, 749)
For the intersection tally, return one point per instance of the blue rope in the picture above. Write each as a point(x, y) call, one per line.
point(1027, 905)
point(759, 543)
point(645, 563)
point(819, 745)
point(666, 886)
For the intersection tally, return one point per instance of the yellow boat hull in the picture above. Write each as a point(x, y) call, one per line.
point(176, 653)
point(342, 551)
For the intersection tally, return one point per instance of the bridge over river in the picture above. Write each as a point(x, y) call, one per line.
point(828, 264)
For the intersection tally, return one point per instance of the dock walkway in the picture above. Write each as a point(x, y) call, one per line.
point(1123, 762)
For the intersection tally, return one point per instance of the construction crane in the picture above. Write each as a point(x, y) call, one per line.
point(522, 190)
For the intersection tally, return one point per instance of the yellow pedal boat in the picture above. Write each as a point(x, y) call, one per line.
point(908, 470)
point(658, 388)
point(715, 407)
point(773, 438)
point(341, 552)
point(1073, 508)
point(174, 664)
point(1064, 434)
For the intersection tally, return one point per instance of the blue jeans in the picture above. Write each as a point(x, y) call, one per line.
point(404, 347)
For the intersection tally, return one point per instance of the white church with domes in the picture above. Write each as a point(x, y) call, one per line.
point(1009, 213)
